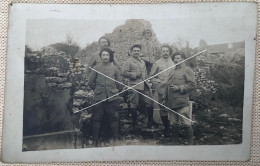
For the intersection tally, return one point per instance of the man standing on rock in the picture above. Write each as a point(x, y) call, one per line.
point(160, 81)
point(181, 82)
point(134, 70)
point(104, 88)
point(148, 50)
point(95, 58)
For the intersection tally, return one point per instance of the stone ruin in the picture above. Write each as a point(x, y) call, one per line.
point(121, 40)
point(53, 88)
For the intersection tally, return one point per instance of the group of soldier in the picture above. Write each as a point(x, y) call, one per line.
point(169, 77)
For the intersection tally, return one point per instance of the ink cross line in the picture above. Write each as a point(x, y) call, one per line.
point(131, 88)
point(128, 88)
point(140, 82)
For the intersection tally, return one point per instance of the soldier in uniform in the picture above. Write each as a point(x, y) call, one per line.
point(105, 88)
point(134, 70)
point(95, 58)
point(160, 81)
point(181, 82)
point(148, 50)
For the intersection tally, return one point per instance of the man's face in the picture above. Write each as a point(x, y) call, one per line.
point(105, 56)
point(136, 52)
point(165, 52)
point(103, 43)
point(178, 59)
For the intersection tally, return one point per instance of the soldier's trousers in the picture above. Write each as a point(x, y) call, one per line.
point(163, 111)
point(108, 107)
point(111, 110)
point(135, 98)
point(176, 119)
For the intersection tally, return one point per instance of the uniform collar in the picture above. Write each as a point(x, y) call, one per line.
point(136, 59)
point(166, 60)
point(106, 64)
point(180, 66)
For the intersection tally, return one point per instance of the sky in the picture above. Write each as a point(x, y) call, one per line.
point(43, 32)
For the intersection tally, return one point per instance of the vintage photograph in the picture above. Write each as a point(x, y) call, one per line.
point(111, 82)
point(107, 83)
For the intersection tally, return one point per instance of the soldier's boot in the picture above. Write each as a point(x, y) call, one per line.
point(151, 122)
point(134, 116)
point(114, 128)
point(165, 122)
point(189, 135)
point(96, 129)
point(175, 133)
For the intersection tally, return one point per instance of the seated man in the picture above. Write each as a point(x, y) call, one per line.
point(104, 88)
point(181, 82)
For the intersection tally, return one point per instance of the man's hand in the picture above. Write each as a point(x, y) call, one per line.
point(175, 88)
point(163, 102)
point(139, 75)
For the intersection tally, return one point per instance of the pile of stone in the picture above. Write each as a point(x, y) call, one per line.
point(82, 99)
point(125, 36)
point(53, 64)
point(47, 60)
point(58, 82)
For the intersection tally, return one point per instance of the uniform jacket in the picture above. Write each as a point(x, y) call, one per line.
point(131, 69)
point(183, 77)
point(148, 51)
point(95, 60)
point(160, 81)
point(105, 87)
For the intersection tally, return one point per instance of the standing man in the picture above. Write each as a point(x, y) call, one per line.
point(148, 50)
point(134, 70)
point(160, 81)
point(181, 82)
point(95, 58)
point(105, 88)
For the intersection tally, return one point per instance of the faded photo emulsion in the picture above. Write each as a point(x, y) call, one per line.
point(185, 89)
point(129, 86)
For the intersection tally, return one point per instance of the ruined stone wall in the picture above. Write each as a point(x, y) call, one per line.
point(46, 109)
point(48, 92)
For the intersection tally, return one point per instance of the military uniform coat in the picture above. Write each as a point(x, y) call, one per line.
point(160, 81)
point(183, 77)
point(105, 87)
point(131, 69)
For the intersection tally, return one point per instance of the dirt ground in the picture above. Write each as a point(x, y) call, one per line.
point(208, 129)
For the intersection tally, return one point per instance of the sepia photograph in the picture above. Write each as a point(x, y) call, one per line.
point(187, 90)
point(135, 81)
